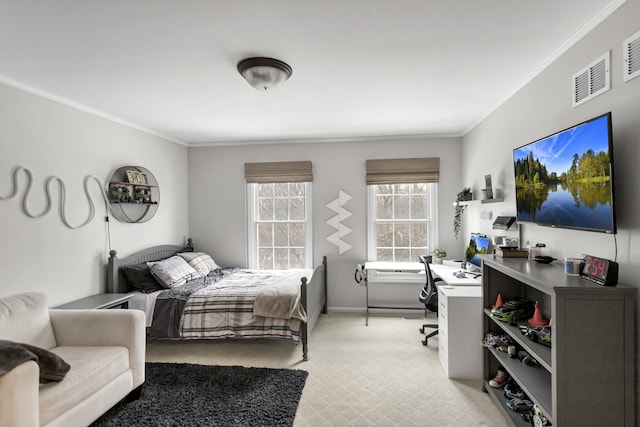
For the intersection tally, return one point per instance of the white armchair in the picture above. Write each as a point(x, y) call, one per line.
point(105, 349)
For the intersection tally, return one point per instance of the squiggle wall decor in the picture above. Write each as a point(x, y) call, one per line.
point(49, 203)
point(336, 222)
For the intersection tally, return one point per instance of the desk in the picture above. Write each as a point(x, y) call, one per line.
point(407, 273)
point(407, 277)
point(459, 326)
point(445, 272)
point(395, 272)
point(413, 272)
point(459, 322)
point(459, 311)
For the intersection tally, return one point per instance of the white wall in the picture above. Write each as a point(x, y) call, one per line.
point(52, 139)
point(217, 199)
point(543, 107)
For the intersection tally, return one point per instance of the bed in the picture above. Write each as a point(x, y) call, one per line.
point(226, 302)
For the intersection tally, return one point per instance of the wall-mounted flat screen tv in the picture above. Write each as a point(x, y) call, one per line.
point(566, 179)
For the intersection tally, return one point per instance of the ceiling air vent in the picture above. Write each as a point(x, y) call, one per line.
point(591, 81)
point(631, 55)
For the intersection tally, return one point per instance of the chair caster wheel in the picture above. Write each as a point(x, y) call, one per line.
point(422, 329)
point(424, 341)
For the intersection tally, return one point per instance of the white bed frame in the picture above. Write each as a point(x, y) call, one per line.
point(313, 293)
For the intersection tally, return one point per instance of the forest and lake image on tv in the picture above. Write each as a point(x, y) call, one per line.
point(565, 179)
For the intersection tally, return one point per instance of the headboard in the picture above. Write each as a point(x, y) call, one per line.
point(116, 283)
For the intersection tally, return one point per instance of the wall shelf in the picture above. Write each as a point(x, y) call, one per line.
point(478, 202)
point(133, 193)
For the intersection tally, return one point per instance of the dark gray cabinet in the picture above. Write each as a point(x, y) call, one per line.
point(587, 377)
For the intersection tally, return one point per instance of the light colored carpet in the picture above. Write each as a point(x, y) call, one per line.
point(376, 375)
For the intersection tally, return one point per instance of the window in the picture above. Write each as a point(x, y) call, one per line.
point(402, 208)
point(401, 221)
point(279, 215)
point(280, 225)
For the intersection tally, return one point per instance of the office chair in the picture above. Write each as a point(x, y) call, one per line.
point(429, 297)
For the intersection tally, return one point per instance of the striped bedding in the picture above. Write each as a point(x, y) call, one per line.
point(220, 305)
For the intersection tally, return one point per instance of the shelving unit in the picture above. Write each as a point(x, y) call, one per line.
point(129, 205)
point(478, 202)
point(587, 376)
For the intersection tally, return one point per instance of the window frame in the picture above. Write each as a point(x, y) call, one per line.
point(252, 224)
point(372, 221)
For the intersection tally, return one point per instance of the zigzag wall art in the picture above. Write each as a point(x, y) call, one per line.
point(336, 222)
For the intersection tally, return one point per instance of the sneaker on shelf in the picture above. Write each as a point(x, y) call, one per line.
point(538, 418)
point(526, 358)
point(519, 405)
point(499, 380)
point(513, 390)
point(496, 340)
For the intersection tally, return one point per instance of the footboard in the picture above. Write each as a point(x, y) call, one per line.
point(313, 294)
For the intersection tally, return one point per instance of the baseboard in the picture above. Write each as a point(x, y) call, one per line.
point(362, 310)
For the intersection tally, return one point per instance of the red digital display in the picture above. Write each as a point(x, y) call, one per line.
point(600, 270)
point(596, 267)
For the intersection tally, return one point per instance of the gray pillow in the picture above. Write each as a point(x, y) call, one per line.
point(173, 271)
point(200, 261)
point(52, 367)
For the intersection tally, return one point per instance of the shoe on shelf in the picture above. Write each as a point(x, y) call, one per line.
point(519, 405)
point(499, 380)
point(513, 390)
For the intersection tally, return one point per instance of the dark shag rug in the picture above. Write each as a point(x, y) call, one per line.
point(182, 394)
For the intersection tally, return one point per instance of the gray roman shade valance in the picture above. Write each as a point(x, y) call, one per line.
point(403, 171)
point(278, 172)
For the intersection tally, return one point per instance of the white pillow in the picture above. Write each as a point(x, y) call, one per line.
point(200, 261)
point(173, 271)
point(25, 318)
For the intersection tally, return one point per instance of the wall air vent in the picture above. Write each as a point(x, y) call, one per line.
point(631, 56)
point(591, 81)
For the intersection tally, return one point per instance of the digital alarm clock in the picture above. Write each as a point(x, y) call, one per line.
point(600, 270)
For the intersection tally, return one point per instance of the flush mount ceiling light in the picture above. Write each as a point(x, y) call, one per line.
point(264, 73)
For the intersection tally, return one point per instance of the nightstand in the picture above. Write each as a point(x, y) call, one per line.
point(99, 301)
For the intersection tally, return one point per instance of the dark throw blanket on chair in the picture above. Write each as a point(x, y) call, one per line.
point(13, 354)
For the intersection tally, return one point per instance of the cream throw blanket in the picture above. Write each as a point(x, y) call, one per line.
point(281, 298)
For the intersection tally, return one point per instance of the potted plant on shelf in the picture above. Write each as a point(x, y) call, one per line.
point(439, 255)
point(462, 196)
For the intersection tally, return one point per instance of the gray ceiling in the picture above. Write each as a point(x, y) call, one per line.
point(361, 68)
